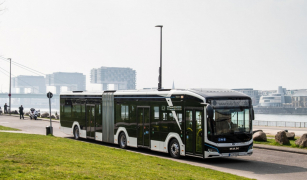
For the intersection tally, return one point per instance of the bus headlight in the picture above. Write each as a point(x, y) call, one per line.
point(212, 150)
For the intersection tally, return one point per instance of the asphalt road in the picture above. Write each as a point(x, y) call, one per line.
point(263, 164)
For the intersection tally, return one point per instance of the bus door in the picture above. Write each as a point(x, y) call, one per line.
point(194, 131)
point(90, 121)
point(143, 126)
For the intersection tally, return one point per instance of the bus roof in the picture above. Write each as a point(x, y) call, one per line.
point(216, 93)
point(197, 92)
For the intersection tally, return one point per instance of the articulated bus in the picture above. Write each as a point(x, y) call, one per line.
point(204, 123)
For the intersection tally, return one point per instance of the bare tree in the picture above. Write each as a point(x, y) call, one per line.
point(2, 6)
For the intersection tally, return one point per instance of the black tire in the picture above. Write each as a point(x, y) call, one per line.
point(76, 133)
point(122, 141)
point(174, 148)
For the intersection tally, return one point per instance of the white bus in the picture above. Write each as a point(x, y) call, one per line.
point(205, 123)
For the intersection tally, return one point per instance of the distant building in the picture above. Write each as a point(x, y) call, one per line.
point(278, 99)
point(266, 92)
point(299, 99)
point(73, 81)
point(36, 84)
point(253, 94)
point(122, 78)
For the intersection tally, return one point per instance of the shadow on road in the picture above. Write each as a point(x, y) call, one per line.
point(236, 163)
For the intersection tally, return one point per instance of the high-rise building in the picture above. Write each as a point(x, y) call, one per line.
point(36, 84)
point(73, 81)
point(122, 78)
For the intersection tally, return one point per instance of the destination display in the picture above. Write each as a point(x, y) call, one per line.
point(230, 103)
point(174, 108)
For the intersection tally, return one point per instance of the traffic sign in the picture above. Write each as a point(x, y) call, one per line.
point(49, 95)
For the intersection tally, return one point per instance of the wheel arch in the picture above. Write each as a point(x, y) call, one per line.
point(118, 132)
point(176, 136)
point(82, 133)
point(75, 124)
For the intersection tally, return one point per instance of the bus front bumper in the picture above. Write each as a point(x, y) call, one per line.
point(230, 154)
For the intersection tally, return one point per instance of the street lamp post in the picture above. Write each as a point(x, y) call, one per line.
point(10, 89)
point(160, 69)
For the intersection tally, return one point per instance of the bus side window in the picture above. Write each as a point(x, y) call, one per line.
point(118, 113)
point(156, 113)
point(170, 115)
point(179, 116)
point(67, 108)
point(164, 116)
point(124, 112)
point(132, 114)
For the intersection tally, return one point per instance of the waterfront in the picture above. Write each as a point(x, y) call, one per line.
point(278, 117)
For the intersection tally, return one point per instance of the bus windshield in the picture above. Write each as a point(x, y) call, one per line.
point(230, 121)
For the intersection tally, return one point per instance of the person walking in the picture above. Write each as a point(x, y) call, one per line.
point(5, 108)
point(21, 112)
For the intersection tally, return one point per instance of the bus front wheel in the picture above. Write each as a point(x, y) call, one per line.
point(174, 148)
point(76, 132)
point(122, 141)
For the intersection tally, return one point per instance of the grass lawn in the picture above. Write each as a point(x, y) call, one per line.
point(26, 156)
point(272, 142)
point(8, 128)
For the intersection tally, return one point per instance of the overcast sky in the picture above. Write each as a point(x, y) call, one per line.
point(258, 44)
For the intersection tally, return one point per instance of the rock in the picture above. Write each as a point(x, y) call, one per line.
point(257, 131)
point(44, 115)
point(259, 136)
point(52, 116)
point(290, 135)
point(302, 142)
point(281, 138)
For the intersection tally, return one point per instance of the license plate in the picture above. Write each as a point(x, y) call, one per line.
point(233, 154)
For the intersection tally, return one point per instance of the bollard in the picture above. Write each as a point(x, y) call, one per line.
point(49, 130)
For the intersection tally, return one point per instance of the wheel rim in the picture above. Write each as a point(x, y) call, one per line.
point(175, 149)
point(123, 140)
point(76, 132)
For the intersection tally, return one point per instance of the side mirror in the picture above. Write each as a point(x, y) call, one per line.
point(210, 111)
point(252, 114)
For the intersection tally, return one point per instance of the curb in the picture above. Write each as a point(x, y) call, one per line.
point(21, 132)
point(282, 149)
point(43, 119)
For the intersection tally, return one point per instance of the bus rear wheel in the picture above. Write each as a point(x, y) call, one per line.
point(76, 132)
point(122, 141)
point(174, 148)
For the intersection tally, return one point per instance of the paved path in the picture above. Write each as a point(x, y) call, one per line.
point(263, 164)
point(273, 130)
point(31, 126)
